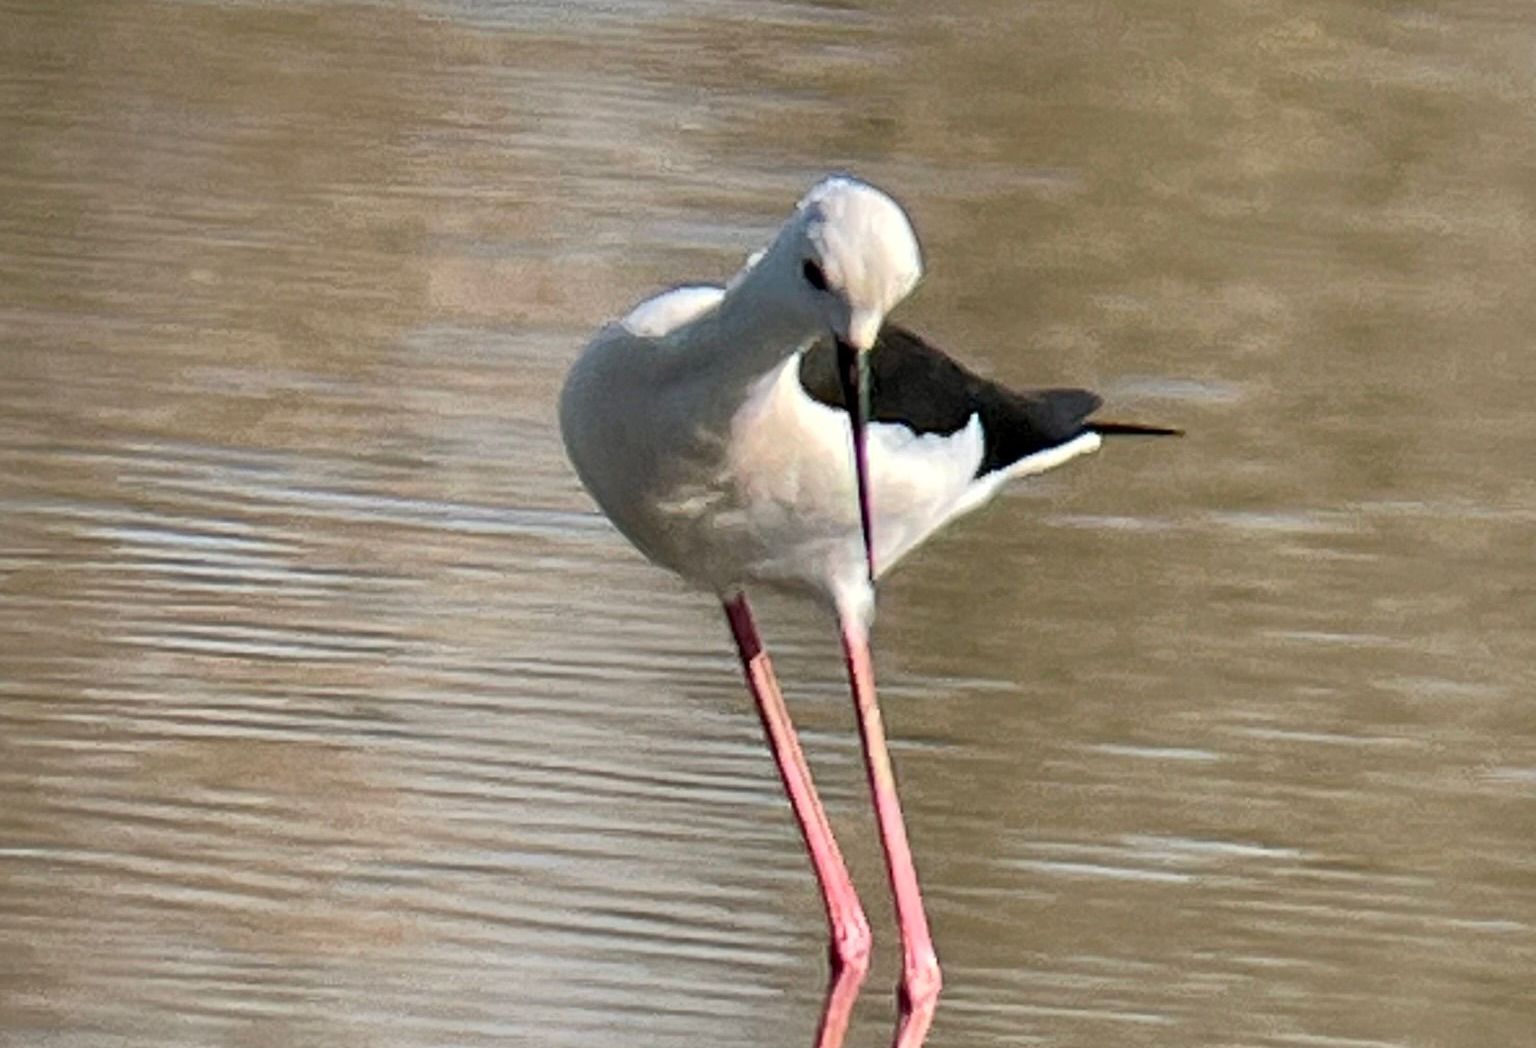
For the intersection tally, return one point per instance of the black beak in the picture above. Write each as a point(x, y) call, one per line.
point(853, 373)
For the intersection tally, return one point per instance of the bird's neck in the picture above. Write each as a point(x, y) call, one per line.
point(761, 320)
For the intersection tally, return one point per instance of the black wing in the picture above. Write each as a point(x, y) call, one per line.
point(919, 386)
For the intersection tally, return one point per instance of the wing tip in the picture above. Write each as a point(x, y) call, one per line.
point(1107, 428)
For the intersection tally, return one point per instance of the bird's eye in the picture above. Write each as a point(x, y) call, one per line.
point(813, 275)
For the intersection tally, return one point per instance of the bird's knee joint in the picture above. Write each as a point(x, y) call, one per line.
point(852, 945)
point(921, 982)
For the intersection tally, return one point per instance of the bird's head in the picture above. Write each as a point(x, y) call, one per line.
point(857, 257)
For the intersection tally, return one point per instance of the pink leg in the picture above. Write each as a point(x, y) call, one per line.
point(850, 938)
point(918, 994)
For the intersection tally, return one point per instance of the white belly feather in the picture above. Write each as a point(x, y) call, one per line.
point(791, 461)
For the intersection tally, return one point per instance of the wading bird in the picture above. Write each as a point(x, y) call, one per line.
point(779, 431)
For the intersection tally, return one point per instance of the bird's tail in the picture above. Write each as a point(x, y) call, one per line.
point(1131, 429)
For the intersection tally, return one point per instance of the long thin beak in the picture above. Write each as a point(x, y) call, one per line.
point(853, 373)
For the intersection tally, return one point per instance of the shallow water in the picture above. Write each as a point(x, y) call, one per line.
point(332, 714)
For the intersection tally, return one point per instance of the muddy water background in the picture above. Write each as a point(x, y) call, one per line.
point(330, 714)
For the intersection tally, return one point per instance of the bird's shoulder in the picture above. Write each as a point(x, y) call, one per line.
point(661, 315)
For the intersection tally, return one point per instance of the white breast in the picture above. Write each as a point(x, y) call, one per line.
point(791, 459)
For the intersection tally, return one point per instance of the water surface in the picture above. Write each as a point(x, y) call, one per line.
point(331, 713)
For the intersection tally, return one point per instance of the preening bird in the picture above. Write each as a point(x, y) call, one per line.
point(779, 431)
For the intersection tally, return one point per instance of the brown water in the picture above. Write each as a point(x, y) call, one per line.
point(331, 714)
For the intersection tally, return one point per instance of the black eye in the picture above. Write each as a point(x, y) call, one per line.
point(813, 275)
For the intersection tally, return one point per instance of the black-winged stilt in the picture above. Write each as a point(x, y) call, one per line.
point(712, 425)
